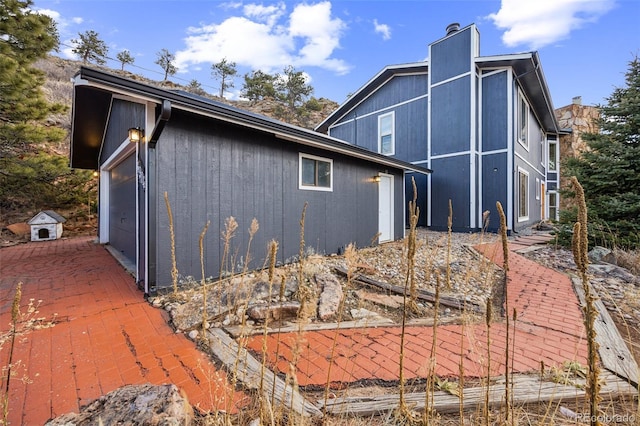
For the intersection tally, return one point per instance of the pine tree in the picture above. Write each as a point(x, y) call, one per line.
point(90, 48)
point(165, 60)
point(29, 176)
point(124, 58)
point(292, 90)
point(609, 170)
point(258, 85)
point(224, 71)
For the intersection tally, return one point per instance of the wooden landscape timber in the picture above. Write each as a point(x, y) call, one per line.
point(614, 353)
point(249, 372)
point(526, 389)
point(425, 295)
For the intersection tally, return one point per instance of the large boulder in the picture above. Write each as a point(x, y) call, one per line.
point(151, 405)
point(600, 254)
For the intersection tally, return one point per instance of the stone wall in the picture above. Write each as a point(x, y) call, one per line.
point(580, 119)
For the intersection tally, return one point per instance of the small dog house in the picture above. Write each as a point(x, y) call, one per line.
point(46, 226)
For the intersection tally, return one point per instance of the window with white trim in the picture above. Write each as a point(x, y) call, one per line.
point(523, 195)
point(553, 156)
point(553, 205)
point(538, 188)
point(523, 120)
point(386, 134)
point(315, 173)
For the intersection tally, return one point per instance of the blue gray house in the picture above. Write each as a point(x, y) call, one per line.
point(214, 161)
point(485, 125)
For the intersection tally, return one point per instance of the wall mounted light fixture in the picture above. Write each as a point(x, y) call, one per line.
point(376, 178)
point(136, 134)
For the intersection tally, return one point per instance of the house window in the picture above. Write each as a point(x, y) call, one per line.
point(553, 205)
point(386, 134)
point(523, 121)
point(537, 189)
point(316, 173)
point(523, 195)
point(553, 157)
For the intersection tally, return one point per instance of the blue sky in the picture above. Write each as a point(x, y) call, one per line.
point(584, 45)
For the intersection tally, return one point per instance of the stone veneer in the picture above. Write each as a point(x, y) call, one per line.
point(580, 119)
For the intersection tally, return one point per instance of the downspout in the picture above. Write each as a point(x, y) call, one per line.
point(152, 193)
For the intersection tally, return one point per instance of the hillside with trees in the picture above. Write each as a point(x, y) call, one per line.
point(35, 114)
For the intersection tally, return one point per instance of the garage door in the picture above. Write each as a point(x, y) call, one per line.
point(122, 208)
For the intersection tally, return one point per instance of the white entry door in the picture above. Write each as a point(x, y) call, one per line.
point(385, 207)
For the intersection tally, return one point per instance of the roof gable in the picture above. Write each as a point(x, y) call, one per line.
point(46, 217)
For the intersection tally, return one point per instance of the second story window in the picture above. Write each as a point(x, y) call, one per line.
point(523, 121)
point(386, 134)
point(553, 157)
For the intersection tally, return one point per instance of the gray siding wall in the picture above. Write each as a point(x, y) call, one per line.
point(212, 171)
point(123, 116)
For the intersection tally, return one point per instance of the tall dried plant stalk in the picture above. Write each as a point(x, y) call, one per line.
point(205, 319)
point(580, 247)
point(505, 267)
point(15, 318)
point(172, 235)
point(266, 406)
point(351, 259)
point(449, 227)
point(403, 413)
point(433, 359)
point(461, 368)
point(488, 320)
point(414, 213)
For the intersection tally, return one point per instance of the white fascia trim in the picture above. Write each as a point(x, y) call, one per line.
point(457, 77)
point(494, 72)
point(124, 150)
point(495, 151)
point(380, 111)
point(453, 154)
point(534, 168)
point(473, 190)
point(417, 163)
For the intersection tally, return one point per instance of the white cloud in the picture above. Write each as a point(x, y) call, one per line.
point(383, 29)
point(543, 22)
point(61, 23)
point(268, 38)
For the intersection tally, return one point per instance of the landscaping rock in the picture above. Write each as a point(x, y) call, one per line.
point(330, 297)
point(152, 405)
point(275, 312)
point(600, 254)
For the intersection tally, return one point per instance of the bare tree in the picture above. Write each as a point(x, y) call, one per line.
point(165, 60)
point(224, 71)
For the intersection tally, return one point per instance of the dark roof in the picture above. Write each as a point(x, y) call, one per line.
point(93, 91)
point(526, 68)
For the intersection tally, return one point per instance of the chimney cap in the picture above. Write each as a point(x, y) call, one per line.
point(576, 100)
point(452, 28)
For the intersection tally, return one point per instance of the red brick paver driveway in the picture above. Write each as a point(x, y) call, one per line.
point(105, 334)
point(549, 329)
